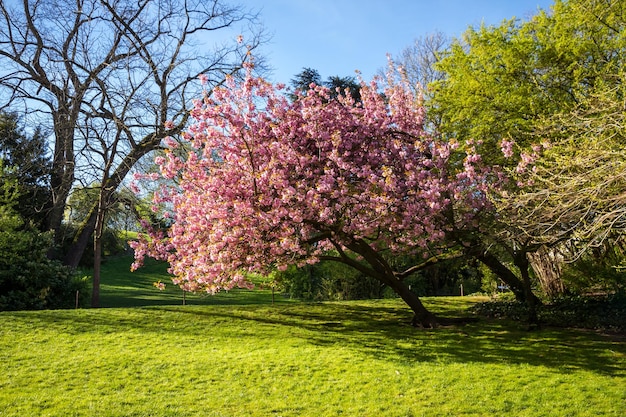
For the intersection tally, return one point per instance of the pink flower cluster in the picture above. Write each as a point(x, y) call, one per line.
point(269, 182)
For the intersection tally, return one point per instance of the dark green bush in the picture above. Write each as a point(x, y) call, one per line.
point(590, 312)
point(28, 279)
point(591, 274)
point(41, 284)
point(442, 278)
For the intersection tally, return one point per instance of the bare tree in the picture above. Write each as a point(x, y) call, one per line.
point(419, 59)
point(115, 77)
point(417, 63)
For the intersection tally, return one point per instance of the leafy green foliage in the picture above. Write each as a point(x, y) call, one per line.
point(444, 277)
point(590, 274)
point(336, 281)
point(327, 281)
point(30, 166)
point(28, 279)
point(338, 85)
point(606, 312)
point(501, 81)
point(544, 99)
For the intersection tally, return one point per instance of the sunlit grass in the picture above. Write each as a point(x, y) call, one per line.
point(121, 288)
point(297, 359)
point(237, 354)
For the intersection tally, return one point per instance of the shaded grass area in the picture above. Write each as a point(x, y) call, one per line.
point(300, 359)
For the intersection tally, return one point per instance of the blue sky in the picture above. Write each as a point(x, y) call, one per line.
point(337, 37)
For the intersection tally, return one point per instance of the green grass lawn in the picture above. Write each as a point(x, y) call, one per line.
point(121, 288)
point(232, 357)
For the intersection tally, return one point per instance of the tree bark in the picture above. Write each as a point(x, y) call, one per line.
point(521, 261)
point(97, 261)
point(97, 243)
point(61, 175)
point(504, 273)
point(81, 240)
point(546, 263)
point(421, 316)
point(379, 268)
point(87, 228)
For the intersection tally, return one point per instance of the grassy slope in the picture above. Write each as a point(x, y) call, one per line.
point(121, 288)
point(297, 359)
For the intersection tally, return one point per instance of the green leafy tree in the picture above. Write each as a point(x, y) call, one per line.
point(574, 189)
point(301, 82)
point(336, 84)
point(30, 162)
point(502, 81)
point(28, 279)
point(344, 86)
point(524, 82)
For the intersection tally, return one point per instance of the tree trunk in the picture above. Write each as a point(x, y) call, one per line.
point(97, 261)
point(421, 316)
point(81, 240)
point(61, 175)
point(521, 261)
point(504, 273)
point(97, 249)
point(380, 269)
point(546, 262)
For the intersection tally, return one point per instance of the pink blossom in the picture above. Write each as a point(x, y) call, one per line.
point(507, 148)
point(170, 142)
point(269, 182)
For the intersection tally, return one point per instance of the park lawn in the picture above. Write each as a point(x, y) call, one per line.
point(357, 358)
point(122, 288)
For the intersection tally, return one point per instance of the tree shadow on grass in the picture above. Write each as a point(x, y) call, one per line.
point(380, 330)
point(385, 333)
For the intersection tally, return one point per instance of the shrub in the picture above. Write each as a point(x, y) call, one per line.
point(606, 312)
point(589, 274)
point(28, 279)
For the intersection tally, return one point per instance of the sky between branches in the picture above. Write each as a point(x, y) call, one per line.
point(337, 37)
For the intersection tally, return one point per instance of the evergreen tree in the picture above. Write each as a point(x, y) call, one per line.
point(30, 166)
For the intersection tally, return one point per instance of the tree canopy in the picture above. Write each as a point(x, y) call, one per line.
point(29, 162)
point(336, 84)
point(541, 98)
point(574, 185)
point(272, 182)
point(112, 78)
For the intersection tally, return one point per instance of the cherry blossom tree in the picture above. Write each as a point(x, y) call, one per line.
point(269, 182)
